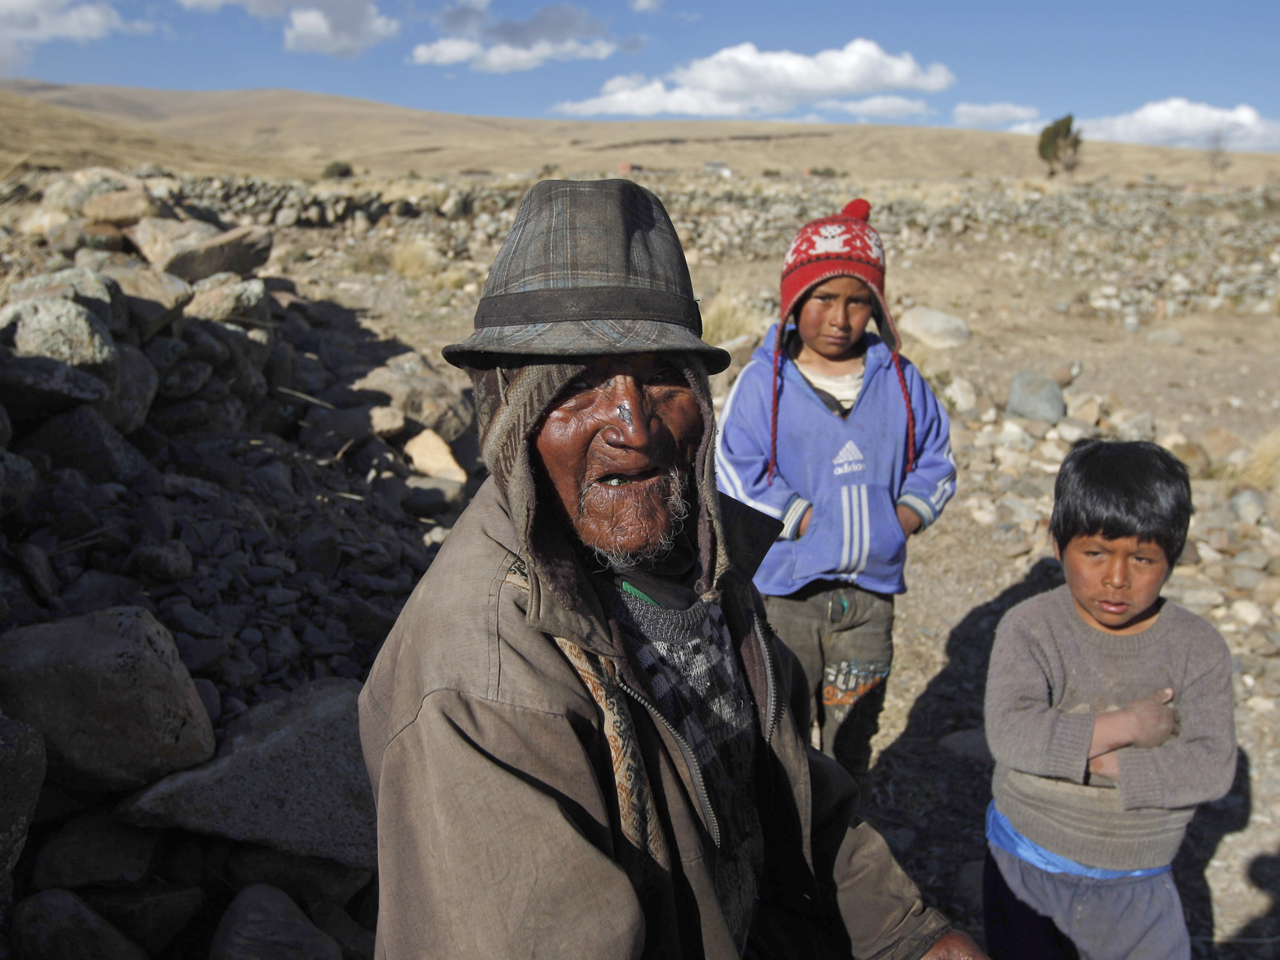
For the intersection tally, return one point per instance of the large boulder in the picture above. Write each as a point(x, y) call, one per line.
point(120, 207)
point(107, 690)
point(32, 388)
point(431, 456)
point(127, 407)
point(59, 329)
point(152, 916)
point(327, 431)
point(80, 234)
point(266, 787)
point(159, 239)
point(58, 925)
point(97, 292)
point(225, 297)
point(308, 880)
point(154, 299)
point(413, 386)
point(1035, 397)
point(262, 923)
point(241, 251)
point(18, 480)
point(22, 766)
point(84, 439)
point(95, 849)
point(933, 328)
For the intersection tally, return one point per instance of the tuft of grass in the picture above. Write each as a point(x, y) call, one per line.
point(417, 260)
point(1262, 469)
point(732, 314)
point(454, 278)
point(371, 261)
point(338, 170)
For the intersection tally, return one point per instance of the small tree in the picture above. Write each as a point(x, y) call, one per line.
point(1060, 145)
point(1216, 154)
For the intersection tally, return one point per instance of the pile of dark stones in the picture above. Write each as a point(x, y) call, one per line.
point(215, 497)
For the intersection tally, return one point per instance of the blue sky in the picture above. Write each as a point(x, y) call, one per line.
point(1172, 72)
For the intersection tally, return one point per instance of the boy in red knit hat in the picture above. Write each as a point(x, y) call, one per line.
point(832, 431)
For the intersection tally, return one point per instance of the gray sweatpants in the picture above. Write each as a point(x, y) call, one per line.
point(843, 637)
point(1129, 918)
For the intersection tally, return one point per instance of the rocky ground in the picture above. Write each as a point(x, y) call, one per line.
point(227, 423)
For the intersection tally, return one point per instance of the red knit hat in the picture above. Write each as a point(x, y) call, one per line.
point(842, 245)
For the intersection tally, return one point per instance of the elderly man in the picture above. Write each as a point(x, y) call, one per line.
point(583, 738)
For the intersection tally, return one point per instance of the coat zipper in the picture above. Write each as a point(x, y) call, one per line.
point(769, 679)
point(700, 786)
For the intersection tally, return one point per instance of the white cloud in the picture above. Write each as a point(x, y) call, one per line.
point(314, 31)
point(992, 114)
point(745, 81)
point(505, 58)
point(555, 32)
point(340, 27)
point(884, 107)
point(446, 52)
point(646, 6)
point(27, 23)
point(1178, 122)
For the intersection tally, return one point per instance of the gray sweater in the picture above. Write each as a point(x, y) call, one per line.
point(1050, 673)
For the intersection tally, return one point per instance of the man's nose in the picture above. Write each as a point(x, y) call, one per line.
point(628, 413)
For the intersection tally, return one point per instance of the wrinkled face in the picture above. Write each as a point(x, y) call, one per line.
point(833, 319)
point(616, 451)
point(1114, 583)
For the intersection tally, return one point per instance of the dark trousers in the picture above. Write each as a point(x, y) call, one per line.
point(1015, 931)
point(843, 637)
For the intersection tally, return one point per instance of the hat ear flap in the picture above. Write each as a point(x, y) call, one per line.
point(887, 329)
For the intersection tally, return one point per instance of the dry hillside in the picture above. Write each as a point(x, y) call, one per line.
point(304, 131)
point(37, 134)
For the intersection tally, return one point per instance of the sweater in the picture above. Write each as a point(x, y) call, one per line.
point(1050, 673)
point(850, 468)
point(685, 659)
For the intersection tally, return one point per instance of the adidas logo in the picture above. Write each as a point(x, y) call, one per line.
point(847, 453)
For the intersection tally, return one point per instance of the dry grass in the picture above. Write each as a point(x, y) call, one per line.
point(39, 135)
point(730, 314)
point(1262, 469)
point(417, 259)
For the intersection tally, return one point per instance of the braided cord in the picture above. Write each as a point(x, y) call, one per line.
point(911, 414)
point(777, 384)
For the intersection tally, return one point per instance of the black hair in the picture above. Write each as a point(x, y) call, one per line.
point(1121, 490)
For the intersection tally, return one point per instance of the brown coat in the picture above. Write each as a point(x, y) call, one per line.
point(497, 812)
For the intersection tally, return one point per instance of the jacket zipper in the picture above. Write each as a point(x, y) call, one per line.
point(700, 786)
point(770, 681)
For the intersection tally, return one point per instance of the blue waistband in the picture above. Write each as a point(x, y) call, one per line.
point(1001, 833)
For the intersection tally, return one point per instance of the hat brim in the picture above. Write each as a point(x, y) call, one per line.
point(488, 346)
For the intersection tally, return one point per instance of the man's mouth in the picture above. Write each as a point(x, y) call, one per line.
point(626, 479)
point(1113, 606)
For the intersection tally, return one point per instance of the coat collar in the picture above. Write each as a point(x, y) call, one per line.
point(748, 536)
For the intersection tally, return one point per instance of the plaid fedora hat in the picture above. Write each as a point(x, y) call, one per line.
point(590, 268)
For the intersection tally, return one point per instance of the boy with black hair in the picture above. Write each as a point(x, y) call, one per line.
point(1109, 713)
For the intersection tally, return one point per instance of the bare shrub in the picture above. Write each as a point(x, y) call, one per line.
point(732, 313)
point(417, 259)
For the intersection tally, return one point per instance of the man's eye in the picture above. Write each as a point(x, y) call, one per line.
point(666, 374)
